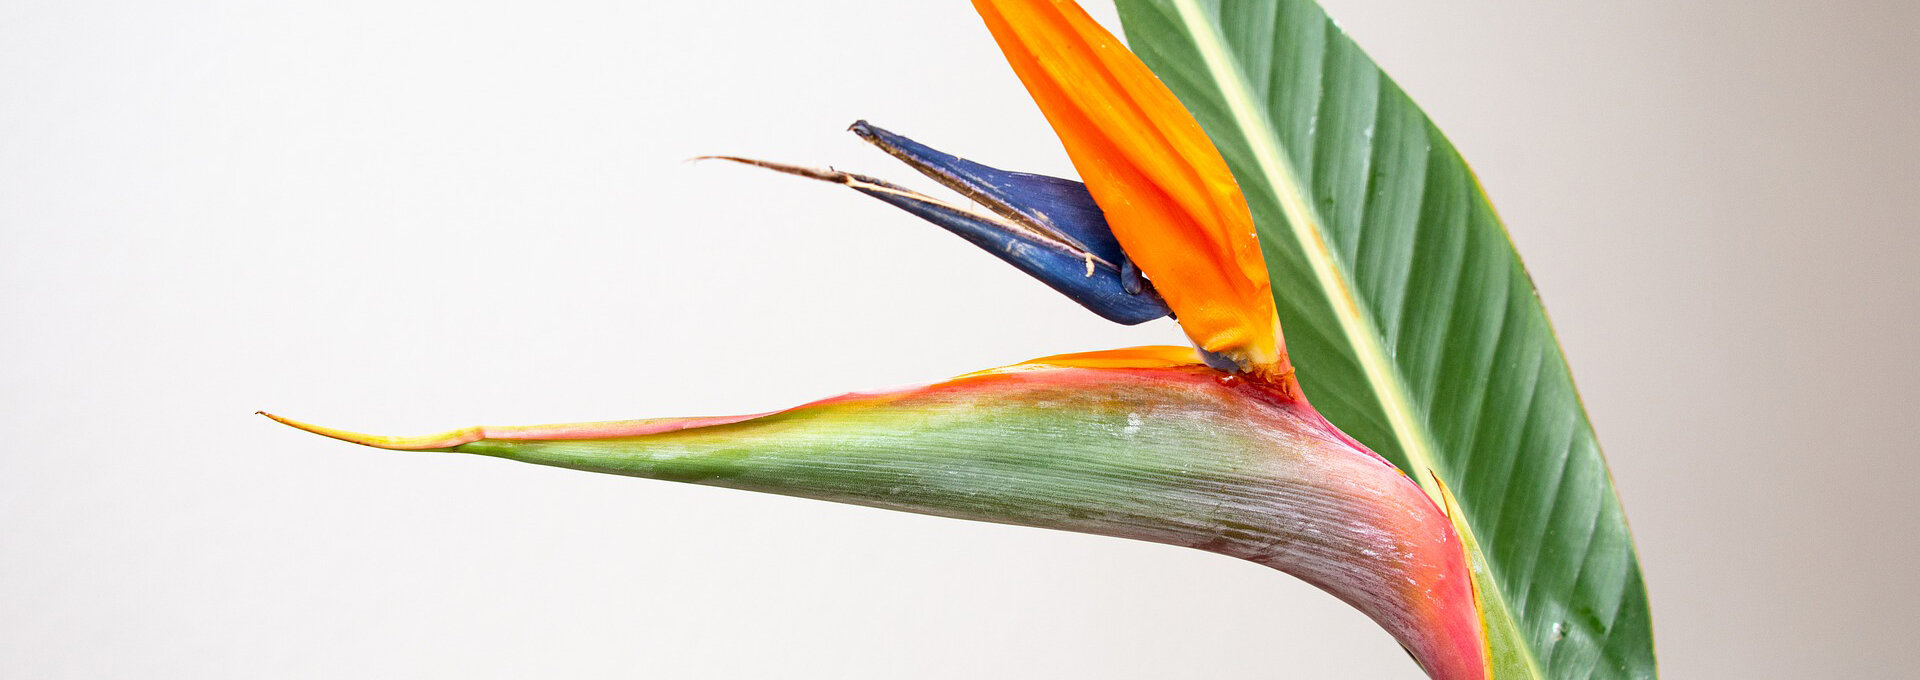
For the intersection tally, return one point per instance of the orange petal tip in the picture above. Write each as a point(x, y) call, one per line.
point(1169, 196)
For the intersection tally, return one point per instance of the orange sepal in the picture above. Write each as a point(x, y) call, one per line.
point(1169, 196)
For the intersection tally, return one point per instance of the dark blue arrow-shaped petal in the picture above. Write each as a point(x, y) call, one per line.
point(1048, 227)
point(1061, 207)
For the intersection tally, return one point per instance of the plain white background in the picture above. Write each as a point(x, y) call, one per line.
point(406, 217)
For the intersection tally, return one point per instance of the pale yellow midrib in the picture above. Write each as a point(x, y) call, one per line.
point(1304, 223)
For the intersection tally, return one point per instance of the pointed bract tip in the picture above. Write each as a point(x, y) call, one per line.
point(433, 442)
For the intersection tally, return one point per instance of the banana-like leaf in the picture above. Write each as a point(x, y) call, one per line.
point(1411, 320)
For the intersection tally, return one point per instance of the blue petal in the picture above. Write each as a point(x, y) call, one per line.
point(1048, 227)
point(1061, 205)
point(1103, 293)
point(1055, 207)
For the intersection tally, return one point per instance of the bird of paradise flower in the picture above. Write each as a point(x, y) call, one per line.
point(1212, 447)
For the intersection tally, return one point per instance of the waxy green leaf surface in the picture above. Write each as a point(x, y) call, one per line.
point(1410, 319)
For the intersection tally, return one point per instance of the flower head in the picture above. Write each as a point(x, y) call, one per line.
point(1212, 448)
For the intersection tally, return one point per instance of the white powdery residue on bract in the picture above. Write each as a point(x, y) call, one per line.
point(1133, 424)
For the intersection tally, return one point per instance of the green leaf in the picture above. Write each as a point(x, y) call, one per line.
point(1411, 320)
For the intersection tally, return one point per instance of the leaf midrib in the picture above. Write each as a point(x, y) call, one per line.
point(1304, 222)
